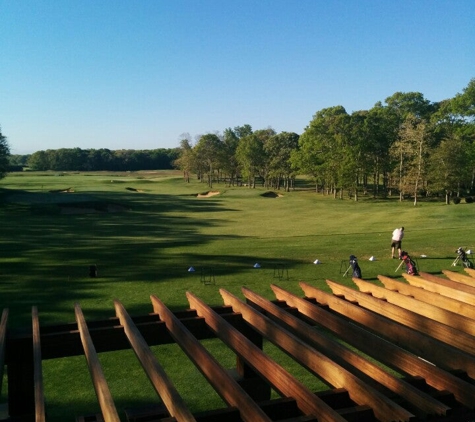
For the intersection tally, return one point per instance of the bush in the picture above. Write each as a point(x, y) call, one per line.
point(468, 200)
point(456, 200)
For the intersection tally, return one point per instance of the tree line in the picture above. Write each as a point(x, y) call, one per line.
point(77, 159)
point(406, 146)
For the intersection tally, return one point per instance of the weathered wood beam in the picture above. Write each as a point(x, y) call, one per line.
point(338, 355)
point(426, 296)
point(219, 378)
point(156, 374)
point(384, 351)
point(3, 345)
point(40, 414)
point(442, 332)
point(460, 278)
point(103, 394)
point(435, 313)
point(448, 290)
point(423, 345)
point(276, 375)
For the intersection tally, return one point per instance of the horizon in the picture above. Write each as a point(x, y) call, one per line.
point(126, 75)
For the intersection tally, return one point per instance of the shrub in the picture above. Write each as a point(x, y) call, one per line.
point(468, 200)
point(456, 200)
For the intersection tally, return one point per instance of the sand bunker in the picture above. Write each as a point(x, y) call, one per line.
point(271, 194)
point(134, 190)
point(207, 194)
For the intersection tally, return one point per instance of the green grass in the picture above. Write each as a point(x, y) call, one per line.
point(159, 228)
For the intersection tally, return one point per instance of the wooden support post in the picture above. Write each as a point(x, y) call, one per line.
point(435, 329)
point(428, 310)
point(3, 336)
point(426, 296)
point(445, 287)
point(351, 361)
point(385, 352)
point(277, 376)
point(158, 377)
point(460, 278)
point(228, 389)
point(441, 354)
point(109, 412)
point(40, 415)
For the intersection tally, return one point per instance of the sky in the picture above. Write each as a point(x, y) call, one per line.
point(140, 74)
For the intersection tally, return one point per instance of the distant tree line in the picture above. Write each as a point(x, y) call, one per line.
point(76, 159)
point(407, 146)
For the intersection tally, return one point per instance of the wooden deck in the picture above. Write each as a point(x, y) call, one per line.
point(391, 350)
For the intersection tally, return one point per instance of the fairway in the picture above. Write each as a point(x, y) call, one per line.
point(145, 230)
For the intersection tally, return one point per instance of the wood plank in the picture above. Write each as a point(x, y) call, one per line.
point(423, 345)
point(40, 414)
point(426, 296)
point(224, 384)
point(108, 409)
point(338, 355)
point(435, 313)
point(277, 376)
point(442, 289)
point(156, 374)
point(3, 344)
point(460, 278)
point(470, 271)
point(449, 283)
point(442, 332)
point(383, 351)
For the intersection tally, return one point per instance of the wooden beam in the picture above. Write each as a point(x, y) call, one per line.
point(383, 351)
point(3, 344)
point(338, 355)
point(156, 374)
point(470, 271)
point(40, 414)
point(442, 332)
point(426, 296)
point(103, 394)
point(448, 289)
point(438, 352)
point(449, 283)
point(460, 278)
point(276, 375)
point(435, 313)
point(220, 379)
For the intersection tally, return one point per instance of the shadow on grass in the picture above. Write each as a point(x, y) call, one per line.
point(45, 255)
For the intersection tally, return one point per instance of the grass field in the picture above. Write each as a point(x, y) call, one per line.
point(144, 231)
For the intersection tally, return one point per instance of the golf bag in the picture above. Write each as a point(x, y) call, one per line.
point(462, 256)
point(411, 267)
point(354, 265)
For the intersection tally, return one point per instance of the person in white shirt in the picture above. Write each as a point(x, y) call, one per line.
point(396, 241)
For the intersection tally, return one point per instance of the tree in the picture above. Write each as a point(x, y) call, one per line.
point(250, 156)
point(209, 152)
point(4, 154)
point(279, 149)
point(186, 159)
point(411, 152)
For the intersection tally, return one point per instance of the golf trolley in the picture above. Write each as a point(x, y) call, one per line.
point(462, 256)
point(353, 265)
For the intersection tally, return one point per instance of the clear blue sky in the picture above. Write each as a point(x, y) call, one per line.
point(137, 74)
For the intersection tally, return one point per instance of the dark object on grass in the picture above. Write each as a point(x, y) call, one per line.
point(468, 200)
point(462, 257)
point(456, 200)
point(354, 265)
point(92, 271)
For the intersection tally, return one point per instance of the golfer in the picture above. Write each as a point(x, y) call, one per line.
point(396, 241)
